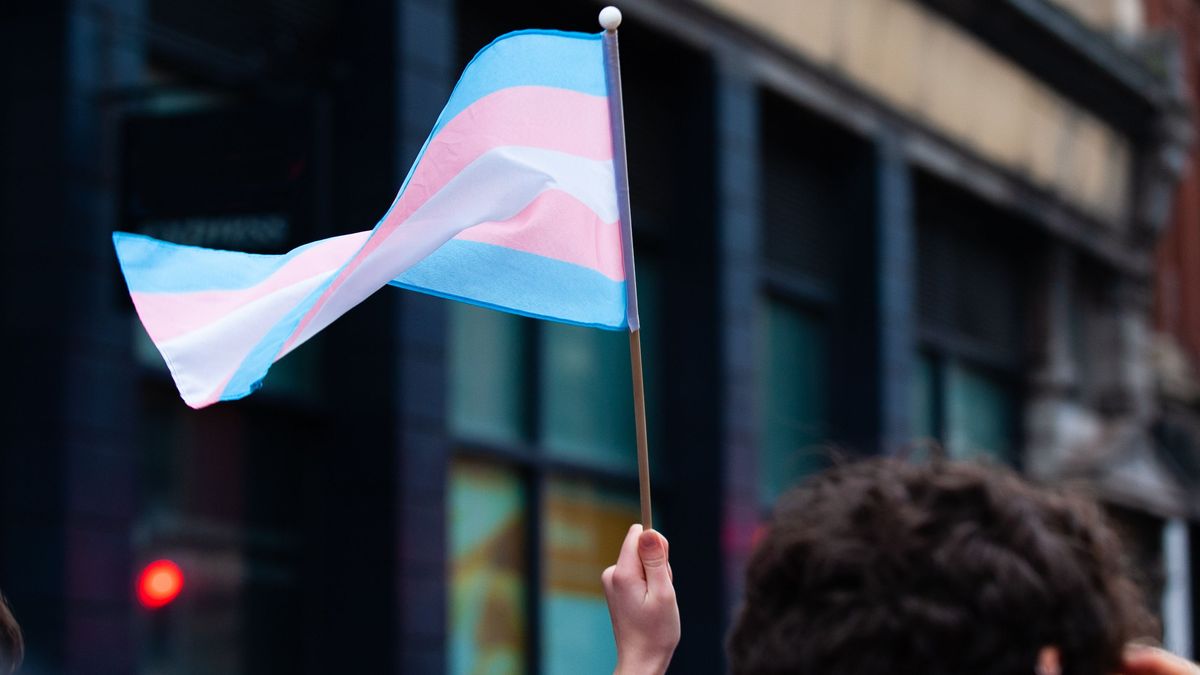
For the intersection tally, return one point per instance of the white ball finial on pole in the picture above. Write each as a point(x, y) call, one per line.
point(610, 18)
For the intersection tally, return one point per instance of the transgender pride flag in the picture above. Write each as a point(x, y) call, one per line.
point(511, 204)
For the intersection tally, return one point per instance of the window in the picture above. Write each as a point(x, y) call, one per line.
point(543, 486)
point(811, 198)
point(1094, 333)
point(970, 410)
point(584, 525)
point(792, 385)
point(969, 309)
point(587, 407)
point(979, 414)
point(486, 397)
point(926, 413)
point(488, 612)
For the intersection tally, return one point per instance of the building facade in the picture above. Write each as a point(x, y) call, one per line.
point(1176, 346)
point(863, 227)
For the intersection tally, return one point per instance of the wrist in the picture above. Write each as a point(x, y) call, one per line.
point(643, 664)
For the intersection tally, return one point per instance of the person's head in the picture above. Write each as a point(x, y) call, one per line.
point(883, 566)
point(12, 648)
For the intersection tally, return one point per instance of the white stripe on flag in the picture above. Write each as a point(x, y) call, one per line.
point(495, 187)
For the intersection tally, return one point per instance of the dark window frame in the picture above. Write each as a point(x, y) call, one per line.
point(535, 465)
point(938, 206)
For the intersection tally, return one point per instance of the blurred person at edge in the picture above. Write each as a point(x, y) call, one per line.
point(12, 648)
point(884, 566)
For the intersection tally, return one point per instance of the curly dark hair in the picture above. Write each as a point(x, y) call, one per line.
point(884, 566)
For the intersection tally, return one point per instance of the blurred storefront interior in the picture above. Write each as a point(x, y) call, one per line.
point(862, 226)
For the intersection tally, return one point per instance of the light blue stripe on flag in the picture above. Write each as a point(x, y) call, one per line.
point(153, 266)
point(519, 282)
point(529, 58)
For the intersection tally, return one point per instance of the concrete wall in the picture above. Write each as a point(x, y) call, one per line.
point(925, 66)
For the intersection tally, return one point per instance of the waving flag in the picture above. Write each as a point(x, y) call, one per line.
point(511, 204)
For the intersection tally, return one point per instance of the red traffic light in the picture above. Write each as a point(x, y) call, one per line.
point(159, 584)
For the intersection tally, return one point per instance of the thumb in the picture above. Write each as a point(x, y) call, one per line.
point(653, 552)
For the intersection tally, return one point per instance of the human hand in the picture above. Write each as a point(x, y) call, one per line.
point(1143, 660)
point(641, 603)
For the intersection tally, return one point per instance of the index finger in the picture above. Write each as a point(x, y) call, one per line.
point(629, 565)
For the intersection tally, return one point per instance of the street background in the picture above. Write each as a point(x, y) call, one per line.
point(862, 227)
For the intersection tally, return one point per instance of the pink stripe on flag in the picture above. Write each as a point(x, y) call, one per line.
point(540, 117)
point(534, 117)
point(205, 359)
point(161, 312)
point(543, 117)
point(542, 229)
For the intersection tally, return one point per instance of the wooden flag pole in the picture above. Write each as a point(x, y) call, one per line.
point(610, 19)
point(639, 415)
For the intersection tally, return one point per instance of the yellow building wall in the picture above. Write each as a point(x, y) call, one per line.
point(928, 67)
point(1120, 18)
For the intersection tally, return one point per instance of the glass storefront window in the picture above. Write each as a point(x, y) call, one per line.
point(971, 412)
point(543, 390)
point(793, 385)
point(924, 399)
point(979, 414)
point(586, 393)
point(584, 527)
point(587, 402)
point(488, 369)
point(489, 570)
